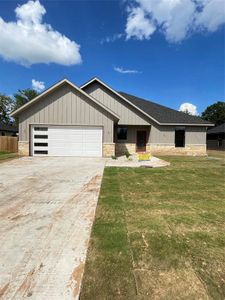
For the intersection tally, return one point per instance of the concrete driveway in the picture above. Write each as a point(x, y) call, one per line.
point(47, 207)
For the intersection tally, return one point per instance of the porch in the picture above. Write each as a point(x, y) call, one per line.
point(131, 139)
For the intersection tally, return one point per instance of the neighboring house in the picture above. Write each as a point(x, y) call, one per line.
point(216, 138)
point(95, 120)
point(8, 130)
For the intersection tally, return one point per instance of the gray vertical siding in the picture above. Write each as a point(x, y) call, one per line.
point(66, 106)
point(194, 135)
point(162, 134)
point(127, 113)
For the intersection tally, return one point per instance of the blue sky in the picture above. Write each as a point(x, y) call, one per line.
point(169, 67)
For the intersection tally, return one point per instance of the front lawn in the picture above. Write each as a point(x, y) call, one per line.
point(6, 155)
point(159, 233)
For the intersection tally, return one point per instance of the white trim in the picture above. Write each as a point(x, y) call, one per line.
point(55, 86)
point(186, 124)
point(125, 99)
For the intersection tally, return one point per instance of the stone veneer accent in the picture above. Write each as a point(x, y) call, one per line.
point(108, 149)
point(23, 148)
point(122, 148)
point(196, 150)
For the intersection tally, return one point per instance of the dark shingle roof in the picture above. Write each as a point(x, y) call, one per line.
point(163, 114)
point(5, 127)
point(217, 129)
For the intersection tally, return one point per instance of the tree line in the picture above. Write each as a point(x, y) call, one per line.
point(11, 103)
point(214, 113)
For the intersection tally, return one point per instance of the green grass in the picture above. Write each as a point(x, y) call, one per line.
point(159, 233)
point(6, 155)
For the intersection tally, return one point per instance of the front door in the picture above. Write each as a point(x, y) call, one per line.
point(141, 141)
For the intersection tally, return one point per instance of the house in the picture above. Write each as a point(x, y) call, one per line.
point(8, 130)
point(216, 138)
point(96, 120)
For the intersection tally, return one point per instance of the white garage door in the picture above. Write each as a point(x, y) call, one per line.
point(66, 141)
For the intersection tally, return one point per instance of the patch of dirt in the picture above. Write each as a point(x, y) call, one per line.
point(3, 289)
point(76, 278)
point(173, 284)
point(26, 284)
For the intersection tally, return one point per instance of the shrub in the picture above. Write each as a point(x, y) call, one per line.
point(127, 154)
point(113, 157)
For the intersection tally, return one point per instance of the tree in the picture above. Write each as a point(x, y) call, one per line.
point(23, 96)
point(6, 106)
point(215, 113)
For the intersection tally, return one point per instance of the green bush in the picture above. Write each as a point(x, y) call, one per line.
point(113, 157)
point(127, 154)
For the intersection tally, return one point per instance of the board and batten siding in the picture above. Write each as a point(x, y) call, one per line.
point(194, 135)
point(66, 106)
point(127, 113)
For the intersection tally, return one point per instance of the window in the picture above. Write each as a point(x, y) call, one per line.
point(41, 128)
point(41, 144)
point(40, 151)
point(121, 133)
point(37, 136)
point(220, 142)
point(179, 137)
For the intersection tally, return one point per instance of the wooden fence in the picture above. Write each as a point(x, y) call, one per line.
point(9, 143)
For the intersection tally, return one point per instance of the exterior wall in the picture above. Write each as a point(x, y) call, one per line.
point(66, 106)
point(108, 149)
point(161, 140)
point(122, 146)
point(161, 149)
point(132, 134)
point(23, 148)
point(127, 113)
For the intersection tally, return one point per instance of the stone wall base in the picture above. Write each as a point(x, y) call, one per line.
point(122, 148)
point(194, 150)
point(23, 148)
point(108, 149)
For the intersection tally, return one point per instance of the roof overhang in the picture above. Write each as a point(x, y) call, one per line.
point(55, 86)
point(96, 79)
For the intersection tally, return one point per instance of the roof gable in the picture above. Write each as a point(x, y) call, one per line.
point(52, 88)
point(95, 79)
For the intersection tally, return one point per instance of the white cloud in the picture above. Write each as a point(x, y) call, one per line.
point(30, 41)
point(38, 85)
point(176, 19)
point(190, 108)
point(123, 71)
point(113, 38)
point(138, 25)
